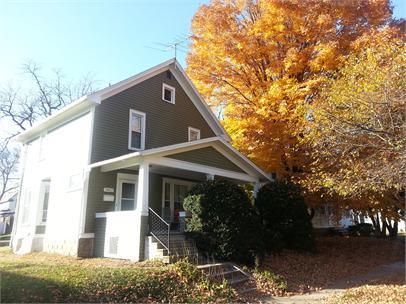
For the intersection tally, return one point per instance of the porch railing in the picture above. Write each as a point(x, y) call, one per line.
point(159, 229)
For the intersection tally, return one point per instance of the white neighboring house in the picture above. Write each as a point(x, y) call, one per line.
point(7, 210)
point(106, 175)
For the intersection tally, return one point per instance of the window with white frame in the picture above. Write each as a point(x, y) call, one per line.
point(26, 207)
point(44, 201)
point(168, 93)
point(136, 133)
point(193, 134)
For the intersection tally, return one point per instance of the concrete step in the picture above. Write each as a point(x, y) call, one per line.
point(225, 271)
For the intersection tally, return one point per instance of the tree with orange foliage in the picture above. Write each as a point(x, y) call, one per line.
point(262, 62)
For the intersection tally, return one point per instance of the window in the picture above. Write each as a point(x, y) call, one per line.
point(193, 134)
point(136, 134)
point(126, 198)
point(44, 201)
point(26, 207)
point(168, 93)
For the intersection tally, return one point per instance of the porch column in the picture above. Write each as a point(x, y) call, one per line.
point(143, 189)
point(209, 177)
point(142, 207)
point(257, 186)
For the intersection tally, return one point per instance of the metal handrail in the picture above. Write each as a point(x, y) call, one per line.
point(158, 228)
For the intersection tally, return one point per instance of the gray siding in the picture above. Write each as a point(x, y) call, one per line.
point(99, 235)
point(166, 123)
point(97, 181)
point(155, 192)
point(208, 157)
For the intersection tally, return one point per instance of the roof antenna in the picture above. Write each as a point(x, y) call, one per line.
point(176, 46)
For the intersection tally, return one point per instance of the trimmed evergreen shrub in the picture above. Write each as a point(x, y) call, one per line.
point(223, 223)
point(287, 223)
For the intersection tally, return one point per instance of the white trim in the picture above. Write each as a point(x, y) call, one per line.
point(199, 102)
point(85, 194)
point(125, 178)
point(69, 113)
point(173, 93)
point(179, 164)
point(143, 189)
point(180, 75)
point(191, 129)
point(86, 235)
point(239, 154)
point(143, 131)
point(122, 85)
point(218, 143)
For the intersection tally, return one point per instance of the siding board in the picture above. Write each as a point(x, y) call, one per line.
point(166, 123)
point(208, 157)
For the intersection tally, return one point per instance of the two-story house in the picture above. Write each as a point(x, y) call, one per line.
point(111, 169)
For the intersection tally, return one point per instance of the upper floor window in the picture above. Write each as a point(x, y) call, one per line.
point(136, 133)
point(168, 93)
point(193, 134)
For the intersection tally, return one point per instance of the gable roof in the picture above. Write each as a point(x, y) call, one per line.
point(218, 143)
point(86, 102)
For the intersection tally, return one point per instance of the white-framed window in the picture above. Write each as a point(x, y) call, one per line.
point(136, 131)
point(126, 198)
point(26, 207)
point(44, 201)
point(193, 134)
point(168, 93)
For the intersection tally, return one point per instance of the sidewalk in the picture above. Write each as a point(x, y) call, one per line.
point(341, 285)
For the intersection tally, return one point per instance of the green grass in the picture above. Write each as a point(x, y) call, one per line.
point(44, 277)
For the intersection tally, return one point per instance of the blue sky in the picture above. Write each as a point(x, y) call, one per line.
point(110, 38)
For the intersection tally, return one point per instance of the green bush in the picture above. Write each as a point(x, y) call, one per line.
point(223, 223)
point(287, 223)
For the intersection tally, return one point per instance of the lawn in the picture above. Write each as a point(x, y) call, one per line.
point(44, 277)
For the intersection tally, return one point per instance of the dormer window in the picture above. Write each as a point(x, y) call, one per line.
point(136, 132)
point(168, 93)
point(193, 134)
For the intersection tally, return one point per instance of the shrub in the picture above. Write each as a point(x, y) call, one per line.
point(223, 221)
point(287, 223)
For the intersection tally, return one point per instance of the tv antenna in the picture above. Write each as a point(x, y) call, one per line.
point(178, 45)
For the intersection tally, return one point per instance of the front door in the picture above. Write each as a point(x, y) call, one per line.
point(126, 192)
point(173, 193)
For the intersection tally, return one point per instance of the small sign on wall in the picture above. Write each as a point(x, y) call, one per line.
point(108, 198)
point(108, 190)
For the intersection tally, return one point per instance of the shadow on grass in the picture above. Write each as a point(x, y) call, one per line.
point(17, 288)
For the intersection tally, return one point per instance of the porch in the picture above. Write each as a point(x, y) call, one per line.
point(135, 202)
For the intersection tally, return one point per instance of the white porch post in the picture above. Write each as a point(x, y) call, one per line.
point(143, 189)
point(257, 186)
point(142, 207)
point(209, 177)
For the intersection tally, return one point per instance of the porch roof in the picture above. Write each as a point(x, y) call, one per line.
point(157, 156)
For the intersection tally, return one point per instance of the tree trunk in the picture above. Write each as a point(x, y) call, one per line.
point(393, 229)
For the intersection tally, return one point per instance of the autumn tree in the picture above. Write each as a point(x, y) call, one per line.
point(358, 129)
point(263, 61)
